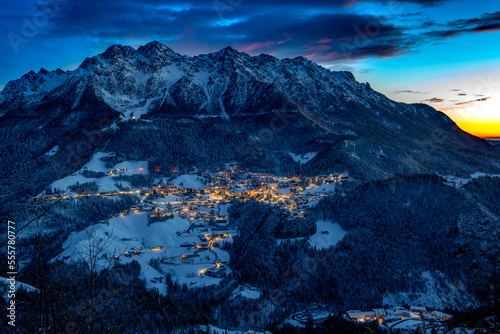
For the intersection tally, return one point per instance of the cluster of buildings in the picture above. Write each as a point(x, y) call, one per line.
point(203, 198)
point(292, 194)
point(399, 317)
point(397, 313)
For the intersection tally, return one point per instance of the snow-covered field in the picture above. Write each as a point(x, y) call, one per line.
point(128, 238)
point(52, 151)
point(334, 234)
point(4, 282)
point(460, 181)
point(318, 313)
point(188, 181)
point(433, 295)
point(408, 324)
point(321, 189)
point(303, 158)
point(246, 292)
point(106, 183)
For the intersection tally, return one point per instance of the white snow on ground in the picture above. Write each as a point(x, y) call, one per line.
point(221, 254)
point(282, 241)
point(283, 190)
point(223, 209)
point(303, 158)
point(133, 167)
point(96, 164)
point(321, 189)
point(435, 294)
point(408, 324)
point(4, 282)
point(294, 323)
point(169, 199)
point(318, 312)
point(52, 151)
point(322, 240)
point(325, 240)
point(313, 203)
point(106, 183)
point(122, 233)
point(188, 181)
point(217, 330)
point(246, 292)
point(460, 181)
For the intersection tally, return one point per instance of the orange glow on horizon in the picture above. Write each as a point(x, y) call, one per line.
point(481, 129)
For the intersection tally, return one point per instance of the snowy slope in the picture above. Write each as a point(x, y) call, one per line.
point(332, 116)
point(327, 234)
point(135, 81)
point(124, 234)
point(4, 282)
point(106, 183)
point(188, 181)
point(303, 158)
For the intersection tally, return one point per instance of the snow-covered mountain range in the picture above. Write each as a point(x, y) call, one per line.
point(278, 107)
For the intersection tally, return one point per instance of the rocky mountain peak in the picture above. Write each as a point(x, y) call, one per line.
point(29, 76)
point(154, 48)
point(227, 53)
point(349, 120)
point(118, 51)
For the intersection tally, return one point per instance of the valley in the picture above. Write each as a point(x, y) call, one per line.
point(159, 192)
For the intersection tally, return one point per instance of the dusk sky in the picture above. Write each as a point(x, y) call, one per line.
point(442, 52)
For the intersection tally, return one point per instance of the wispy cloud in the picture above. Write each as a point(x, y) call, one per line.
point(433, 100)
point(488, 22)
point(473, 101)
point(409, 92)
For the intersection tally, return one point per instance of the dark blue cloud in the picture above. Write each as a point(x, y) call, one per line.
point(325, 31)
point(319, 29)
point(487, 22)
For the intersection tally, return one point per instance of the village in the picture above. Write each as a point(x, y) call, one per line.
point(181, 222)
point(399, 318)
point(203, 202)
point(179, 228)
point(393, 319)
point(203, 193)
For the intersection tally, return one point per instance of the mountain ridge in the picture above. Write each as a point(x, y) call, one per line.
point(271, 106)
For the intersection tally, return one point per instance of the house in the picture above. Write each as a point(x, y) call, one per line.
point(380, 312)
point(414, 314)
point(188, 256)
point(218, 273)
point(402, 313)
point(442, 316)
point(418, 309)
point(361, 316)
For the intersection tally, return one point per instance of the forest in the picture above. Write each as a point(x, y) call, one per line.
point(396, 230)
